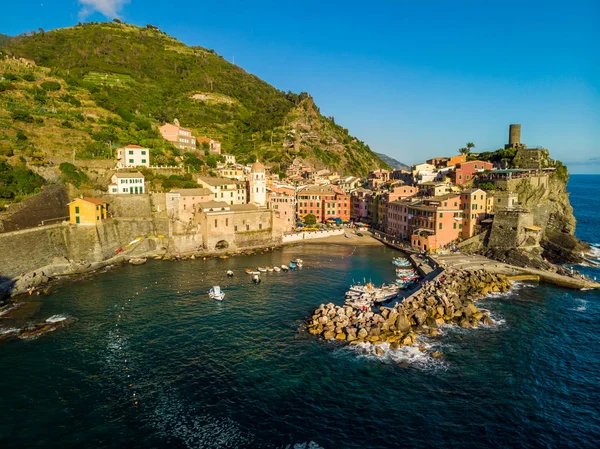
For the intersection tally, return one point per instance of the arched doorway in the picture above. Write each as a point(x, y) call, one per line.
point(223, 244)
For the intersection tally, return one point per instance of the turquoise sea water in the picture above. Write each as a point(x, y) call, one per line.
point(238, 373)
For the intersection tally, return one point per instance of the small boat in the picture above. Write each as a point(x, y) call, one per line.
point(298, 262)
point(249, 271)
point(256, 279)
point(292, 265)
point(270, 269)
point(285, 268)
point(262, 270)
point(230, 273)
point(137, 260)
point(276, 269)
point(216, 293)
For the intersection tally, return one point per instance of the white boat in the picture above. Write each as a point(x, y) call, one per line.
point(230, 273)
point(276, 269)
point(216, 293)
point(262, 270)
point(285, 268)
point(256, 279)
point(298, 262)
point(270, 269)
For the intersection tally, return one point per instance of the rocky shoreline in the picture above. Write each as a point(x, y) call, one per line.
point(448, 299)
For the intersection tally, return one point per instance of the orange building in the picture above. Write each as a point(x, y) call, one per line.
point(474, 205)
point(434, 222)
point(283, 201)
point(324, 202)
point(465, 171)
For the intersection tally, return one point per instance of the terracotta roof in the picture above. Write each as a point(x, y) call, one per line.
point(205, 139)
point(134, 146)
point(212, 181)
point(192, 192)
point(322, 189)
point(90, 200)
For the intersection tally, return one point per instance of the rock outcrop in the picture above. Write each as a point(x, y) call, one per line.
point(448, 300)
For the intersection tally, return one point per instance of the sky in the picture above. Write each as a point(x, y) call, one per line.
point(412, 78)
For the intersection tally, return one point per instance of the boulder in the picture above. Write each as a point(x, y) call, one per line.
point(437, 354)
point(379, 351)
point(402, 323)
point(362, 333)
point(328, 335)
point(340, 336)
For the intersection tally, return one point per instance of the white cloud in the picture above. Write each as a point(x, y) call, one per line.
point(109, 8)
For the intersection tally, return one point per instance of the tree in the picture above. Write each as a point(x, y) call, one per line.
point(310, 219)
point(470, 145)
point(463, 150)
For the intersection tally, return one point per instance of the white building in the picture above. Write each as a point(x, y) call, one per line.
point(257, 185)
point(229, 158)
point(133, 156)
point(128, 183)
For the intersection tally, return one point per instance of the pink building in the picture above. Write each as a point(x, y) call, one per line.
point(465, 171)
point(283, 201)
point(434, 223)
point(180, 137)
point(182, 204)
point(214, 146)
point(359, 208)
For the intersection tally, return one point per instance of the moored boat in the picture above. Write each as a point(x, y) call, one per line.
point(137, 260)
point(256, 279)
point(262, 270)
point(230, 273)
point(276, 269)
point(216, 293)
point(285, 268)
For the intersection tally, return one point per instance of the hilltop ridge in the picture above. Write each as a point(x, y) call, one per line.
point(119, 82)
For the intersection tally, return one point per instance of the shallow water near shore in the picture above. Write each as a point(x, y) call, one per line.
point(238, 373)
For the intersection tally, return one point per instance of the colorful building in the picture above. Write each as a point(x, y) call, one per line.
point(474, 207)
point(87, 211)
point(283, 201)
point(224, 189)
point(465, 171)
point(180, 137)
point(257, 185)
point(182, 204)
point(324, 202)
point(214, 146)
point(434, 223)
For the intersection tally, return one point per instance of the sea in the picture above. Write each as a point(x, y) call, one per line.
point(150, 361)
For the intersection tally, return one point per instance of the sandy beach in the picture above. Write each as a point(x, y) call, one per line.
point(354, 240)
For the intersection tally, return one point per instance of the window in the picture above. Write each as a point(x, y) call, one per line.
point(260, 226)
point(441, 215)
point(131, 161)
point(215, 223)
point(143, 153)
point(247, 227)
point(76, 209)
point(131, 152)
point(76, 219)
point(143, 161)
point(460, 226)
point(440, 225)
point(235, 228)
point(453, 225)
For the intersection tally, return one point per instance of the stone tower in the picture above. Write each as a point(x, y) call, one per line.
point(514, 137)
point(257, 185)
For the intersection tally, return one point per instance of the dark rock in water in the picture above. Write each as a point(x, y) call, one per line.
point(437, 354)
point(379, 351)
point(37, 330)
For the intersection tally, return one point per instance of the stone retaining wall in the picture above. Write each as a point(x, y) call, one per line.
point(291, 238)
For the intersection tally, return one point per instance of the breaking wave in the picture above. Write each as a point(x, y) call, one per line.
point(56, 318)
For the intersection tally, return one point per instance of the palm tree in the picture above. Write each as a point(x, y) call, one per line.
point(463, 150)
point(470, 145)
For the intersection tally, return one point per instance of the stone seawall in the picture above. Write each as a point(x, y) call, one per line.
point(28, 250)
point(292, 238)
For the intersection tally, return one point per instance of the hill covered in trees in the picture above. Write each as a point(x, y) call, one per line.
point(117, 83)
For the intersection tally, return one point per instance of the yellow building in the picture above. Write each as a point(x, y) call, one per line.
point(87, 211)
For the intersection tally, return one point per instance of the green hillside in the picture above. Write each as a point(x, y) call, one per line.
point(4, 38)
point(120, 82)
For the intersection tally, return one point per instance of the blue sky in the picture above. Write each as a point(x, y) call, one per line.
point(412, 78)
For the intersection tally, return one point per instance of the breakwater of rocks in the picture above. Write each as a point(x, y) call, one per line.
point(449, 299)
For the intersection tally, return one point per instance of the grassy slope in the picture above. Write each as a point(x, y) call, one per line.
point(140, 77)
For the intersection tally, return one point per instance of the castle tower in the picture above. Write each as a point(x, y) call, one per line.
point(514, 135)
point(257, 185)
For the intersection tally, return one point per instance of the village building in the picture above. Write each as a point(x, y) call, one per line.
point(434, 223)
point(498, 200)
point(257, 185)
point(181, 137)
point(127, 183)
point(226, 226)
point(359, 209)
point(87, 211)
point(229, 159)
point(224, 189)
point(324, 202)
point(377, 178)
point(434, 188)
point(349, 183)
point(232, 172)
point(283, 201)
point(213, 146)
point(133, 156)
point(182, 204)
point(465, 171)
point(474, 206)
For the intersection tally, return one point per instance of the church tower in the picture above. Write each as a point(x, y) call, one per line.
point(258, 185)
